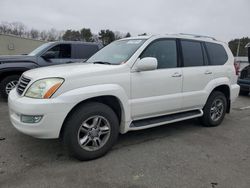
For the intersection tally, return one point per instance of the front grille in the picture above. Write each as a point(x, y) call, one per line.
point(22, 84)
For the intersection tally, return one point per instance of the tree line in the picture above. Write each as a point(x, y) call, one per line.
point(104, 36)
point(85, 34)
point(241, 44)
point(19, 29)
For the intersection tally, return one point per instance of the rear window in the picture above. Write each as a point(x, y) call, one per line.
point(84, 51)
point(192, 53)
point(216, 53)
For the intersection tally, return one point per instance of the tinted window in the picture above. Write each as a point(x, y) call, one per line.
point(216, 53)
point(164, 51)
point(192, 53)
point(61, 51)
point(84, 51)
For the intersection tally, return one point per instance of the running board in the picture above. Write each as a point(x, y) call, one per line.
point(155, 121)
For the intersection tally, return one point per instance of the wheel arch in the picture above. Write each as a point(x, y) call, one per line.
point(14, 71)
point(110, 100)
point(225, 89)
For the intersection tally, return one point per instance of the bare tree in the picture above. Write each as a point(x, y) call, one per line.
point(18, 28)
point(34, 34)
point(43, 35)
point(5, 28)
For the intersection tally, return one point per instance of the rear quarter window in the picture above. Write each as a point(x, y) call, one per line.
point(216, 54)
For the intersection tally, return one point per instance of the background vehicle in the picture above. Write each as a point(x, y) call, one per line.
point(244, 78)
point(131, 84)
point(52, 53)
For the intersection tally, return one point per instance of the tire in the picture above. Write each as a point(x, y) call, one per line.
point(10, 82)
point(87, 115)
point(209, 119)
point(244, 92)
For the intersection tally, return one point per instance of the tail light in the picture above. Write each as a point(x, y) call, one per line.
point(237, 68)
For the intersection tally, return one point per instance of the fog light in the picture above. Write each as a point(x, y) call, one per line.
point(31, 119)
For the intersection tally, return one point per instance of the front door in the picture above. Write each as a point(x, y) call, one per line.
point(157, 92)
point(61, 55)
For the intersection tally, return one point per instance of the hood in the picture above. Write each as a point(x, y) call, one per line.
point(70, 70)
point(16, 58)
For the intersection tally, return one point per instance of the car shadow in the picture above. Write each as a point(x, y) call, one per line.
point(43, 150)
point(155, 133)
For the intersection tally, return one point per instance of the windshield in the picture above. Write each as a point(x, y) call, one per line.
point(39, 49)
point(117, 52)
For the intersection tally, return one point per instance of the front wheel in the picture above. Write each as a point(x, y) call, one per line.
point(91, 131)
point(7, 84)
point(214, 110)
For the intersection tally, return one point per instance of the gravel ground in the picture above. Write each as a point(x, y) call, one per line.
point(182, 154)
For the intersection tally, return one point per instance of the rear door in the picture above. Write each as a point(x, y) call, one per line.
point(84, 51)
point(196, 74)
point(218, 59)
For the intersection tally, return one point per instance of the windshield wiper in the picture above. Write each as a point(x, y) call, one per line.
point(102, 62)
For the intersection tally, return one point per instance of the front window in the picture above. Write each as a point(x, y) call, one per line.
point(165, 51)
point(117, 52)
point(60, 51)
point(39, 49)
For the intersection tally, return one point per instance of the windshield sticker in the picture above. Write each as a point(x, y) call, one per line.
point(134, 41)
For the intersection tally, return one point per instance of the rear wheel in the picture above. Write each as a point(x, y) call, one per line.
point(7, 84)
point(91, 131)
point(214, 110)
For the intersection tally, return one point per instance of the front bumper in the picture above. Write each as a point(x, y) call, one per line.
point(54, 112)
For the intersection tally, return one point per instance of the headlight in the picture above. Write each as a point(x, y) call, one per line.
point(44, 89)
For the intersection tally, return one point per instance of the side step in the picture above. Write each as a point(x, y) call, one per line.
point(155, 121)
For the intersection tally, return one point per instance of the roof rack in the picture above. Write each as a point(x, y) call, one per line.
point(198, 36)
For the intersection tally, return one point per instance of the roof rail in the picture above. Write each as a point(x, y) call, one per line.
point(198, 36)
point(248, 45)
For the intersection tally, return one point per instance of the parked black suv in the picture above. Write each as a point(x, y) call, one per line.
point(244, 79)
point(52, 53)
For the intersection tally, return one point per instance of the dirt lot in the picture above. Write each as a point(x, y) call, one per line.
point(178, 155)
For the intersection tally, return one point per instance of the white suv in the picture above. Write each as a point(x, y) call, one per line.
point(131, 84)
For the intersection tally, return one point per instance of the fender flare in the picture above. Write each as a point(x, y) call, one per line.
point(79, 95)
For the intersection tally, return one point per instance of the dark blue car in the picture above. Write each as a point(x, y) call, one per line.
point(244, 79)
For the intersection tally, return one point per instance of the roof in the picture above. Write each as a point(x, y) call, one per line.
point(74, 42)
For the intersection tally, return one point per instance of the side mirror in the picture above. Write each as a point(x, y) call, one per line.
point(49, 55)
point(146, 64)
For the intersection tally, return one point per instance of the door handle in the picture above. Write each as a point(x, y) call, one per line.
point(208, 72)
point(176, 74)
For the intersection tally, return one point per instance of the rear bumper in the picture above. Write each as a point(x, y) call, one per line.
point(235, 89)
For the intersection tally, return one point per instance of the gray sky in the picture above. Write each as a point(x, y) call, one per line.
point(223, 19)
